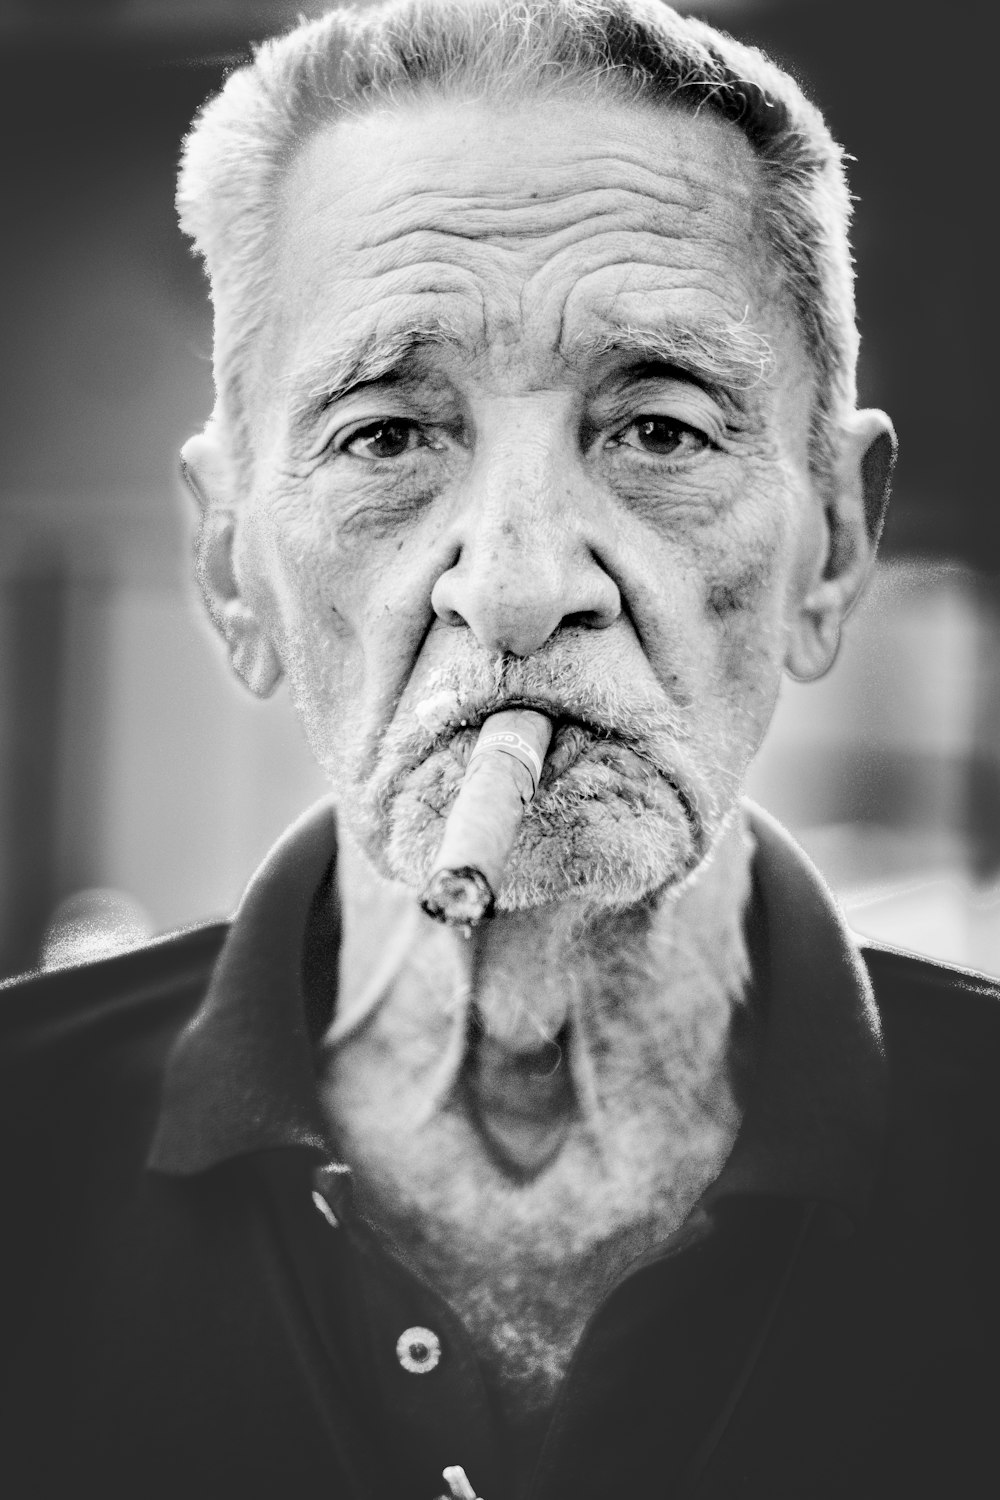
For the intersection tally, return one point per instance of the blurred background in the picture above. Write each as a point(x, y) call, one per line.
point(139, 785)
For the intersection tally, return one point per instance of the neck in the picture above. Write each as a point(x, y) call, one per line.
point(524, 1024)
point(527, 1110)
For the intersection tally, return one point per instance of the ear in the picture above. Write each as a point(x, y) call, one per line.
point(207, 471)
point(851, 526)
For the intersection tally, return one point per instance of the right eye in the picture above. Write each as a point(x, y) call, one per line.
point(390, 437)
point(661, 437)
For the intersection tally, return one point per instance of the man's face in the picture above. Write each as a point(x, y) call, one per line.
point(518, 441)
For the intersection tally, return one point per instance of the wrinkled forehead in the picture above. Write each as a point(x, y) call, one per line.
point(526, 233)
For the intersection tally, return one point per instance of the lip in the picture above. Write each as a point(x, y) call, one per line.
point(459, 735)
point(459, 730)
point(566, 718)
point(563, 717)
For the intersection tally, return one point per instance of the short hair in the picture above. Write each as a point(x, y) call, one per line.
point(358, 58)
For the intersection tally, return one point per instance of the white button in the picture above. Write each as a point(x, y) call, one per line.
point(418, 1350)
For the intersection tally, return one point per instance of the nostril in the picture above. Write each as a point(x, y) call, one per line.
point(450, 616)
point(588, 619)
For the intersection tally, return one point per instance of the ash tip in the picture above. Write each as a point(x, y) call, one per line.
point(461, 898)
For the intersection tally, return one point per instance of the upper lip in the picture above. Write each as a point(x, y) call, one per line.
point(559, 713)
point(473, 716)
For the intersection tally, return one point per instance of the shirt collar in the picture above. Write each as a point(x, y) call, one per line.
point(816, 1112)
point(241, 1077)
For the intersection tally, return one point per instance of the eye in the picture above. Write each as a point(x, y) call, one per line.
point(661, 436)
point(390, 437)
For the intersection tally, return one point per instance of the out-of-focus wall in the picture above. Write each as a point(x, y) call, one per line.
point(128, 759)
point(888, 770)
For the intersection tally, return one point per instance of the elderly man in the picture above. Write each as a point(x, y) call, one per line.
point(535, 363)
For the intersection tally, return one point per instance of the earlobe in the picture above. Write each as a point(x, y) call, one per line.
point(813, 647)
point(206, 473)
point(253, 658)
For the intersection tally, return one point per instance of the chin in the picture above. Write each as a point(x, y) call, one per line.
point(597, 854)
point(609, 831)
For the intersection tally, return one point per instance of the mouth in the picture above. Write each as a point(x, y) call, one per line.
point(619, 791)
point(574, 738)
point(572, 733)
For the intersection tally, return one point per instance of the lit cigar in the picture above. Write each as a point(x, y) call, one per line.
point(500, 780)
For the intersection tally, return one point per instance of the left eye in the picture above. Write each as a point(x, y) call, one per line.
point(390, 438)
point(661, 436)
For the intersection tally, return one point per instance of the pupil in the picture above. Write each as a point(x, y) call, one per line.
point(660, 436)
point(389, 440)
point(418, 1352)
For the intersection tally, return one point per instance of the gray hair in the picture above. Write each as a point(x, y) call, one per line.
point(353, 59)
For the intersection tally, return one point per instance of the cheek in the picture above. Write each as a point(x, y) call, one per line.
point(293, 571)
point(745, 584)
point(297, 585)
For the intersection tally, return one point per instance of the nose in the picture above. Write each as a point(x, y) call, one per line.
point(526, 556)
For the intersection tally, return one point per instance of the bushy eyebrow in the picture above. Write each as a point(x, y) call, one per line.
point(377, 356)
point(720, 356)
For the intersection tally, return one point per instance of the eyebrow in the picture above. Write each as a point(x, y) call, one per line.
point(720, 356)
point(367, 360)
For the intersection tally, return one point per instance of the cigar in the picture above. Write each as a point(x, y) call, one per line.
point(500, 780)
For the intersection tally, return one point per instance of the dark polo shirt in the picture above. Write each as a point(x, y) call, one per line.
point(193, 1308)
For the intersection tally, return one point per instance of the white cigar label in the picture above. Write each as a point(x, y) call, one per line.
point(513, 744)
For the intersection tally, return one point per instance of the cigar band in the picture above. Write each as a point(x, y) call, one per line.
point(510, 744)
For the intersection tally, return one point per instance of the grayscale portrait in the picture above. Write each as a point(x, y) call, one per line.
point(502, 874)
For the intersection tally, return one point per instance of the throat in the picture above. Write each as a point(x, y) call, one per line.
point(521, 1101)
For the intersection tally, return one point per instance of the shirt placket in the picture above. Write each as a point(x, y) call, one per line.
point(418, 1360)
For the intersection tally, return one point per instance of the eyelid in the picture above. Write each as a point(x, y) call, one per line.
point(708, 432)
point(337, 432)
point(354, 430)
point(667, 398)
point(676, 384)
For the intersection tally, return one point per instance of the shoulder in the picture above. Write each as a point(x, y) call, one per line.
point(952, 1014)
point(941, 1034)
point(82, 1053)
point(83, 1025)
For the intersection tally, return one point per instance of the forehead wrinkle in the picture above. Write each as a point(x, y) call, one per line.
point(674, 175)
point(723, 349)
point(502, 216)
